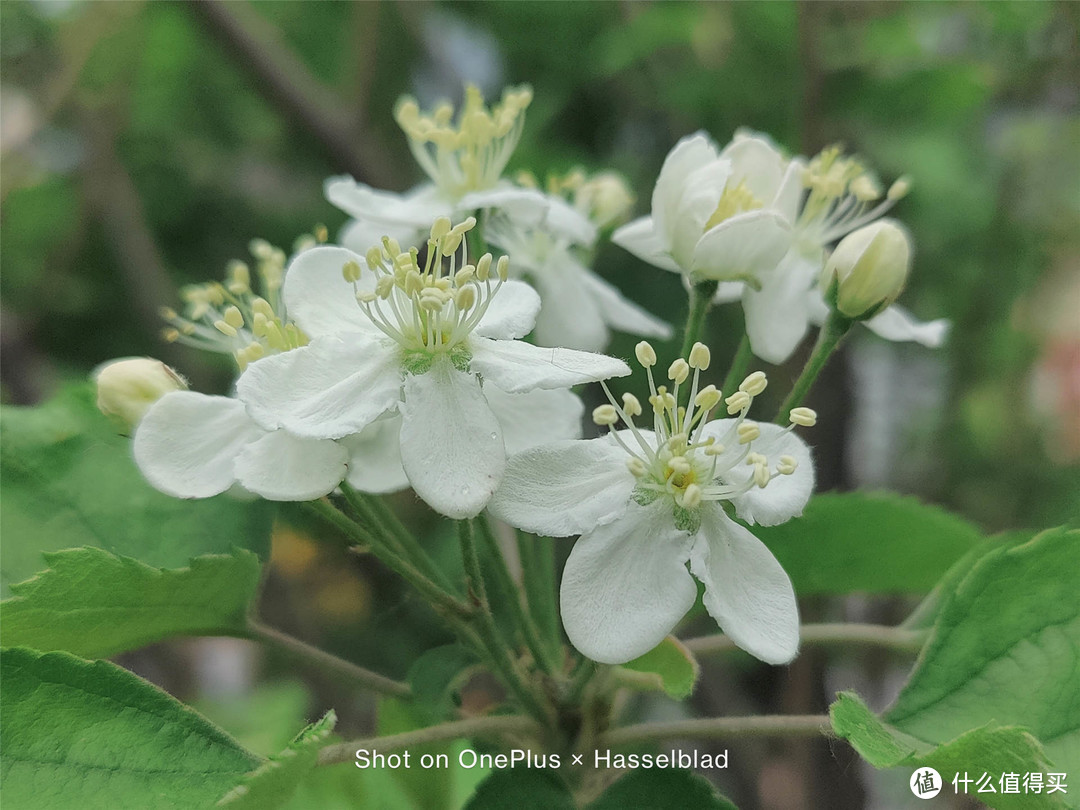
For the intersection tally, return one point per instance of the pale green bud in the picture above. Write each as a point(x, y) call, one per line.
point(868, 269)
point(127, 388)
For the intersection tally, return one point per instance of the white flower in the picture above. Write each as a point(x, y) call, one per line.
point(721, 216)
point(425, 341)
point(579, 307)
point(197, 446)
point(838, 197)
point(465, 165)
point(648, 501)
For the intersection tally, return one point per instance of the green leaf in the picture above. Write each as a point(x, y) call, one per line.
point(869, 542)
point(70, 481)
point(522, 789)
point(669, 666)
point(436, 676)
point(94, 604)
point(275, 781)
point(662, 789)
point(1004, 650)
point(80, 734)
point(991, 750)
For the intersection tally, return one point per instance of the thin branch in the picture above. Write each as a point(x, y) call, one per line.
point(280, 75)
point(894, 638)
point(473, 727)
point(304, 651)
point(792, 725)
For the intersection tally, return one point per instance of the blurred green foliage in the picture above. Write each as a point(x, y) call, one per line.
point(976, 102)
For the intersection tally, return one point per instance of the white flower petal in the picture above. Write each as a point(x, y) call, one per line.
point(517, 367)
point(565, 488)
point(187, 443)
point(375, 457)
point(625, 585)
point(620, 312)
point(283, 467)
point(535, 417)
point(330, 388)
point(451, 442)
point(777, 315)
point(360, 235)
point(785, 496)
point(642, 238)
point(417, 208)
point(790, 194)
point(569, 316)
point(700, 196)
point(756, 162)
point(746, 246)
point(511, 313)
point(687, 156)
point(728, 291)
point(317, 296)
point(896, 323)
point(746, 590)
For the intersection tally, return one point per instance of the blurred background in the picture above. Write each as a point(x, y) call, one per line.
point(144, 145)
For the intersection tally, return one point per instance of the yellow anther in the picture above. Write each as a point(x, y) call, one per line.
point(259, 322)
point(320, 233)
point(645, 354)
point(787, 465)
point(631, 404)
point(225, 328)
point(261, 249)
point(464, 275)
point(391, 246)
point(636, 466)
point(450, 243)
point(503, 268)
point(707, 398)
point(761, 475)
point(483, 267)
point(234, 317)
point(239, 277)
point(679, 465)
point(748, 431)
point(734, 200)
point(365, 297)
point(804, 417)
point(864, 188)
point(260, 306)
point(384, 286)
point(691, 498)
point(714, 449)
point(351, 271)
point(375, 256)
point(440, 228)
point(431, 300)
point(900, 188)
point(754, 384)
point(605, 415)
point(465, 298)
point(167, 314)
point(756, 458)
point(678, 371)
point(700, 357)
point(170, 335)
point(738, 401)
point(414, 282)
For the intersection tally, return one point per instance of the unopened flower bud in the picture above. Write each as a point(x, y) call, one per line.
point(127, 388)
point(605, 199)
point(868, 269)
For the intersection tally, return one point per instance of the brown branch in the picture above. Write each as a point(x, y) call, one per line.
point(284, 79)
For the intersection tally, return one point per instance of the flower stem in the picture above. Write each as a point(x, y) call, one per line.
point(893, 638)
point(501, 656)
point(491, 726)
point(797, 725)
point(510, 590)
point(739, 366)
point(701, 295)
point(833, 331)
point(538, 576)
point(432, 591)
point(296, 648)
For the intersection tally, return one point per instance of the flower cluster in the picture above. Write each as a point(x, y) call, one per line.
point(399, 359)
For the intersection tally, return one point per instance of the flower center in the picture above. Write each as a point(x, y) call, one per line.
point(232, 318)
point(678, 460)
point(429, 309)
point(735, 200)
point(842, 198)
point(472, 155)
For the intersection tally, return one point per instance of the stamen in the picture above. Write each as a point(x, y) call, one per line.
point(805, 417)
